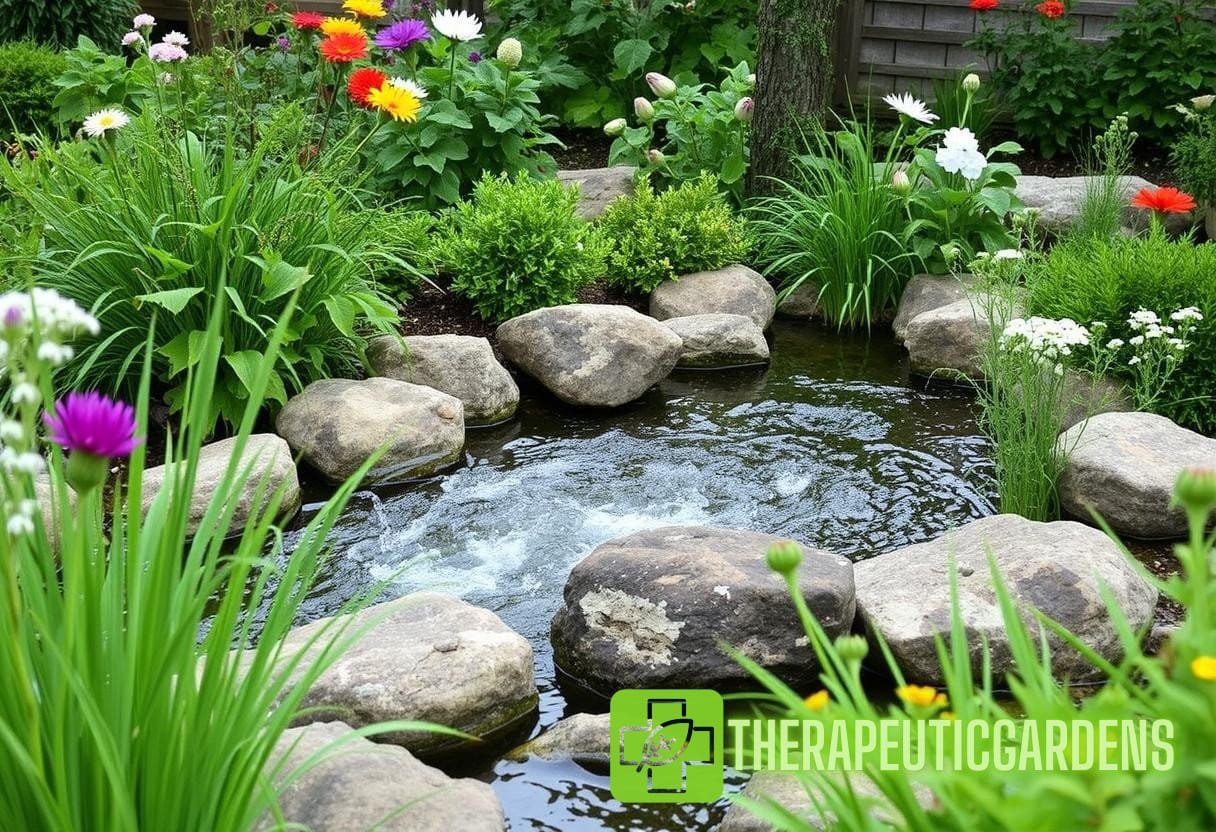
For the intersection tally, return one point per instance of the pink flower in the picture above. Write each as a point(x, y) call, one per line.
point(131, 38)
point(93, 424)
point(167, 52)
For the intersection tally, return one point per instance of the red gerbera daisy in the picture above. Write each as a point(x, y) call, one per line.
point(1051, 9)
point(307, 20)
point(362, 81)
point(1164, 200)
point(343, 47)
point(984, 5)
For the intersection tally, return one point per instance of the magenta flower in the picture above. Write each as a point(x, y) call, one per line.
point(402, 35)
point(93, 424)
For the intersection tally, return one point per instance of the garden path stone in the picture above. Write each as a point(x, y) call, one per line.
point(803, 302)
point(1124, 466)
point(926, 292)
point(1057, 567)
point(736, 290)
point(266, 464)
point(648, 610)
point(337, 424)
point(595, 355)
point(1059, 200)
point(585, 738)
point(719, 340)
point(459, 365)
point(599, 187)
point(426, 657)
point(365, 785)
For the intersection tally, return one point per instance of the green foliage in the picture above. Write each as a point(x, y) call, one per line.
point(59, 23)
point(658, 237)
point(1193, 155)
point(599, 50)
point(96, 78)
point(396, 236)
point(701, 133)
point(27, 74)
point(1105, 191)
point(955, 105)
point(1108, 280)
point(517, 245)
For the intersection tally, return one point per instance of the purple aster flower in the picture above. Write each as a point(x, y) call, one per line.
point(402, 35)
point(93, 424)
point(284, 42)
point(474, 57)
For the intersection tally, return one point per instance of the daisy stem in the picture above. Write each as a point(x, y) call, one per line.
point(452, 75)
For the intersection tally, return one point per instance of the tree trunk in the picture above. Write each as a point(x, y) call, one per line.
point(794, 80)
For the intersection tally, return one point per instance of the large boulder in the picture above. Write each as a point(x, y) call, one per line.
point(1124, 466)
point(948, 341)
point(735, 290)
point(266, 464)
point(1059, 568)
point(459, 365)
point(337, 424)
point(595, 355)
point(926, 292)
point(1059, 200)
point(424, 657)
point(719, 340)
point(650, 610)
point(585, 738)
point(360, 785)
point(599, 187)
point(802, 302)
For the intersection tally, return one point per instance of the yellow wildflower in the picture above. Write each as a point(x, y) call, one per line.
point(399, 103)
point(817, 701)
point(1204, 668)
point(921, 696)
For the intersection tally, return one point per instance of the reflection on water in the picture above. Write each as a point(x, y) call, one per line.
point(829, 445)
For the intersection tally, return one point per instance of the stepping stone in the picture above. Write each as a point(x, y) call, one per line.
point(1124, 466)
point(803, 302)
point(599, 187)
point(266, 464)
point(735, 290)
point(585, 738)
point(459, 365)
point(926, 292)
point(719, 340)
point(337, 424)
point(360, 784)
point(649, 610)
point(1059, 567)
point(1059, 200)
point(594, 355)
point(426, 657)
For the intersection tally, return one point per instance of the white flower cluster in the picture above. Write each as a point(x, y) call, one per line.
point(1148, 327)
point(55, 318)
point(21, 518)
point(960, 153)
point(1046, 340)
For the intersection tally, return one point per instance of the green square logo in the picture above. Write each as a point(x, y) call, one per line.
point(667, 746)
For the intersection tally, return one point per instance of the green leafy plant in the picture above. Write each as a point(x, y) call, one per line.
point(61, 22)
point(1193, 153)
point(517, 245)
point(1107, 164)
point(955, 103)
point(96, 78)
point(658, 237)
point(27, 75)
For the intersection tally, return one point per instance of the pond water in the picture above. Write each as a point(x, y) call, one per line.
point(830, 445)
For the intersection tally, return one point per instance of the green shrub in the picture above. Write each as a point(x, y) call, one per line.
point(59, 23)
point(658, 237)
point(517, 245)
point(399, 236)
point(1107, 280)
point(27, 89)
point(1193, 155)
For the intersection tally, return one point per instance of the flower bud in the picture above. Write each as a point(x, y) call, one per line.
point(643, 109)
point(971, 82)
point(852, 648)
point(655, 157)
point(1196, 489)
point(1203, 102)
point(84, 471)
point(744, 110)
point(661, 85)
point(900, 182)
point(510, 52)
point(615, 127)
point(784, 557)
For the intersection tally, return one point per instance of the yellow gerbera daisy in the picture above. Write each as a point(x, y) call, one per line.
point(399, 103)
point(369, 9)
point(341, 26)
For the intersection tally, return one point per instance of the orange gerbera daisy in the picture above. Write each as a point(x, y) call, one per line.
point(362, 81)
point(344, 48)
point(1164, 200)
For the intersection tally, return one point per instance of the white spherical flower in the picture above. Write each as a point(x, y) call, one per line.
point(176, 38)
point(55, 354)
point(458, 26)
point(960, 153)
point(25, 393)
point(143, 21)
point(29, 463)
point(166, 53)
point(410, 86)
point(19, 525)
point(103, 121)
point(971, 83)
point(131, 38)
point(510, 52)
point(11, 431)
point(913, 108)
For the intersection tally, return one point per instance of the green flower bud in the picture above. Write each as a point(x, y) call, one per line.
point(1196, 489)
point(510, 52)
point(784, 557)
point(971, 83)
point(852, 648)
point(615, 127)
point(643, 109)
point(84, 471)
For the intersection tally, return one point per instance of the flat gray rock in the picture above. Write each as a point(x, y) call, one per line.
point(362, 785)
point(926, 292)
point(735, 290)
point(649, 610)
point(1124, 466)
point(594, 355)
point(1059, 200)
point(947, 341)
point(337, 424)
point(459, 365)
point(585, 738)
point(719, 340)
point(425, 657)
point(1058, 568)
point(803, 302)
point(599, 187)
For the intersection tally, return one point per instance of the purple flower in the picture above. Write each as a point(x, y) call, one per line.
point(402, 35)
point(93, 424)
point(284, 42)
point(474, 57)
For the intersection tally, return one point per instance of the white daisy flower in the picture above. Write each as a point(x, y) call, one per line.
point(913, 108)
point(459, 26)
point(105, 120)
point(410, 86)
point(960, 153)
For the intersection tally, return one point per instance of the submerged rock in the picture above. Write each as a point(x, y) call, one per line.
point(1124, 466)
point(926, 292)
point(363, 785)
point(650, 609)
point(266, 464)
point(337, 424)
point(1059, 568)
point(719, 340)
point(459, 365)
point(596, 355)
point(735, 290)
point(585, 738)
point(425, 657)
point(599, 187)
